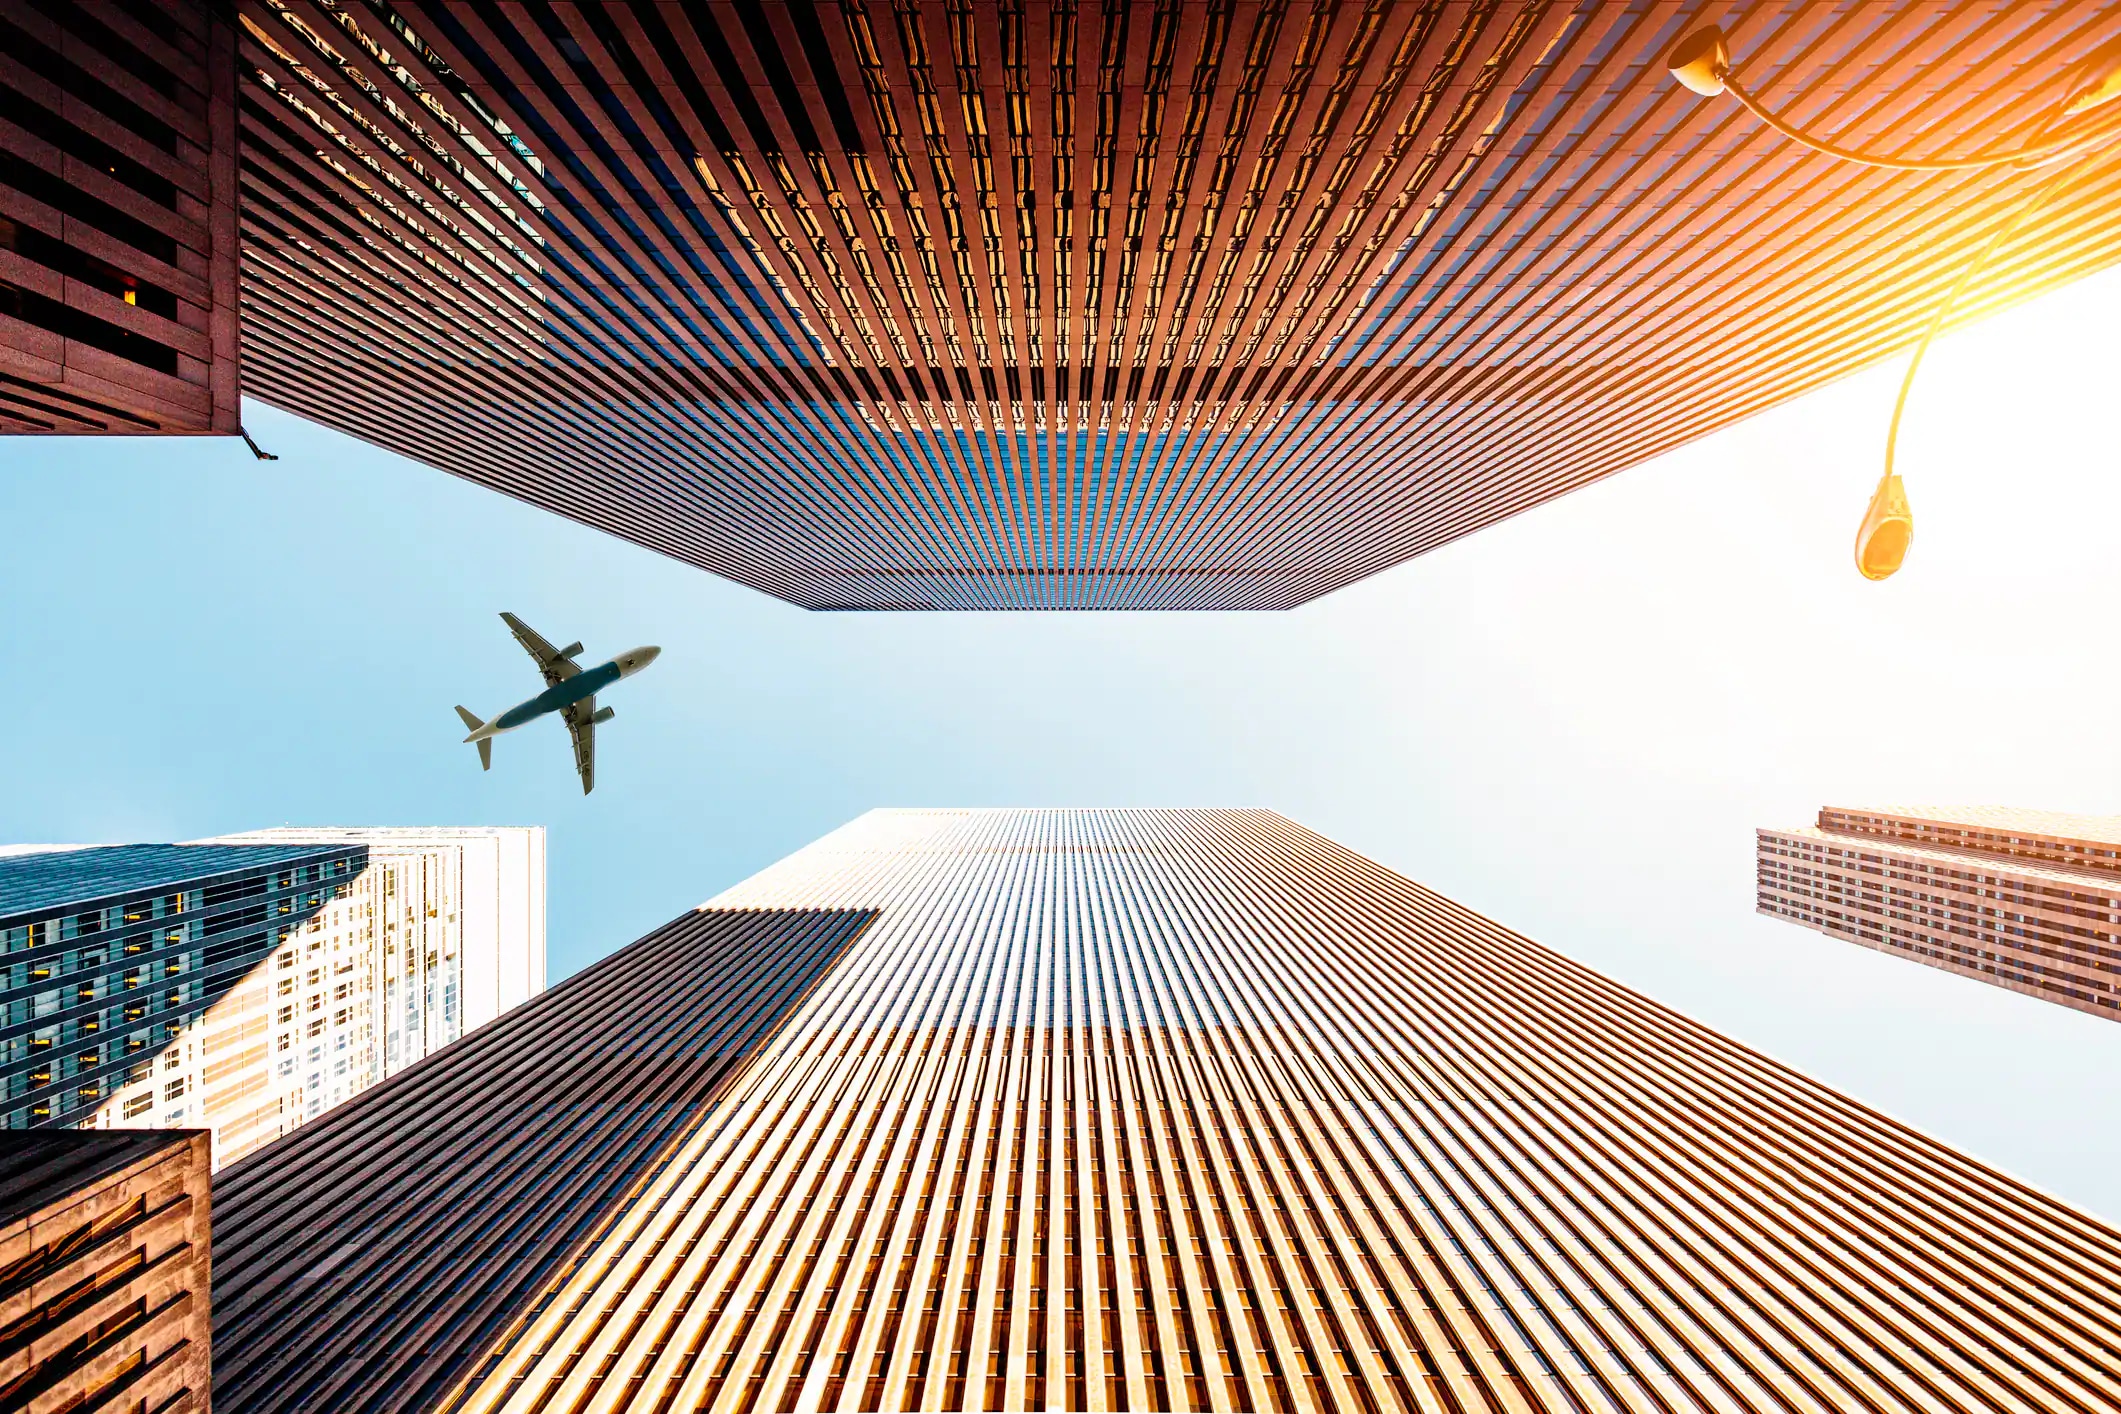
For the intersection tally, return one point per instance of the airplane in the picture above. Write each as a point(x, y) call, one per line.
point(570, 691)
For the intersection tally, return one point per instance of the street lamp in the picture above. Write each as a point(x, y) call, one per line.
point(1702, 62)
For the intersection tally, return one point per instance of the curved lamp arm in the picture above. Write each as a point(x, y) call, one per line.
point(1702, 62)
point(2037, 155)
point(2001, 234)
point(1888, 527)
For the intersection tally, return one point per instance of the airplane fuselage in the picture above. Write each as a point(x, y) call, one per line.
point(562, 695)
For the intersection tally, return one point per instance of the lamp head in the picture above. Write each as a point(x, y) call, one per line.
point(1888, 529)
point(1701, 60)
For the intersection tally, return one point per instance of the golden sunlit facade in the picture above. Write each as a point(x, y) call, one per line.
point(1137, 1110)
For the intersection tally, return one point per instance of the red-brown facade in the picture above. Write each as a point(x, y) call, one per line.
point(104, 1270)
point(988, 303)
point(1215, 304)
point(117, 217)
point(2028, 900)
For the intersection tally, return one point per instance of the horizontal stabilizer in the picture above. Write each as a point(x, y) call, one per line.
point(471, 719)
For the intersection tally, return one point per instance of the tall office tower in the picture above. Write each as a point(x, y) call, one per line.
point(451, 933)
point(444, 931)
point(1165, 304)
point(118, 217)
point(1130, 1110)
point(104, 1273)
point(422, 936)
point(2024, 899)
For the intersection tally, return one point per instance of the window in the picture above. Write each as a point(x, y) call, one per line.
point(139, 1105)
point(174, 1090)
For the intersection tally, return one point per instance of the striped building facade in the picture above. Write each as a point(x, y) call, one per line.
point(104, 1271)
point(1131, 1110)
point(935, 304)
point(2026, 900)
point(118, 246)
point(1211, 304)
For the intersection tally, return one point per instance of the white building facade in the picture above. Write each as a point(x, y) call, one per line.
point(442, 932)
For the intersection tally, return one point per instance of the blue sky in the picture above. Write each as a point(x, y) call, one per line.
point(1573, 721)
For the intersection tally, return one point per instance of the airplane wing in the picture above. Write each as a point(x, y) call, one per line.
point(554, 664)
point(582, 726)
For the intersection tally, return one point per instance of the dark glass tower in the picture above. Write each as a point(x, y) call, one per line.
point(106, 954)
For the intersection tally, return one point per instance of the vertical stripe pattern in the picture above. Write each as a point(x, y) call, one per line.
point(365, 1262)
point(1197, 1110)
point(1065, 304)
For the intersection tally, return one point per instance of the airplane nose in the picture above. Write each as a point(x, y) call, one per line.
point(649, 655)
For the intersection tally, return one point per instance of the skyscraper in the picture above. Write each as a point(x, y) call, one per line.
point(111, 955)
point(2029, 900)
point(1135, 303)
point(118, 218)
point(104, 1272)
point(1130, 1110)
point(448, 933)
point(246, 985)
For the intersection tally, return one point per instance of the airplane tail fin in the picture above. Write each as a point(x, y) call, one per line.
point(485, 745)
